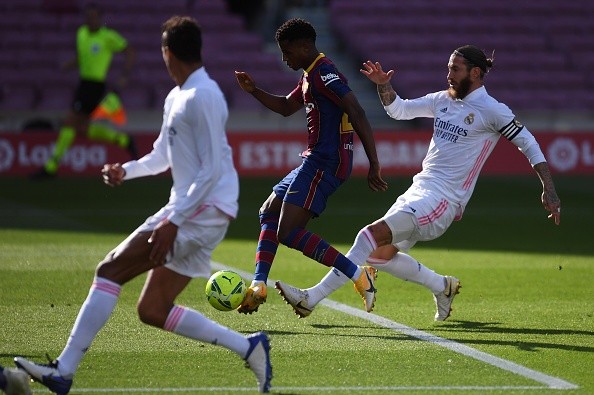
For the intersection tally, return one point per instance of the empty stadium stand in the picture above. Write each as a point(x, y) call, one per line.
point(544, 51)
point(36, 36)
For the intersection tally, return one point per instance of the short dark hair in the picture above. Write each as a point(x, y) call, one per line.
point(296, 29)
point(93, 7)
point(183, 38)
point(474, 57)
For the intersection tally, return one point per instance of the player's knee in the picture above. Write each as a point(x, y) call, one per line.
point(401, 226)
point(150, 315)
point(381, 233)
point(282, 235)
point(104, 267)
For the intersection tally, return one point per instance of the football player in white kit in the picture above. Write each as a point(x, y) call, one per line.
point(467, 125)
point(175, 244)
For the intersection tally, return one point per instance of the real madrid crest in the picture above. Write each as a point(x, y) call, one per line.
point(469, 119)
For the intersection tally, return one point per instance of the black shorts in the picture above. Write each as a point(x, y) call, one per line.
point(88, 95)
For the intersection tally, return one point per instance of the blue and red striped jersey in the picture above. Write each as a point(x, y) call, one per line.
point(330, 134)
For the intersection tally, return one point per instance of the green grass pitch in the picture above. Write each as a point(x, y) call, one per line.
point(522, 324)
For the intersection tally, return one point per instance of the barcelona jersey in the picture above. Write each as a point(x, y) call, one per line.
point(330, 134)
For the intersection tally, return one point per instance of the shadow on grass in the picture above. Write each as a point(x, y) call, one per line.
point(496, 328)
point(505, 213)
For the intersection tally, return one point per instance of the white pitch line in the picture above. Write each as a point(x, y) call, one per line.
point(550, 381)
point(304, 389)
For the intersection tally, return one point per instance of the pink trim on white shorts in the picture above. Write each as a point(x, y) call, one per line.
point(435, 214)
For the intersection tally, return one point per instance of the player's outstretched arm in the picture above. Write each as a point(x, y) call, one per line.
point(279, 104)
point(375, 73)
point(549, 198)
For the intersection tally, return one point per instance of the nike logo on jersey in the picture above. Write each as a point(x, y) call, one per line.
point(292, 192)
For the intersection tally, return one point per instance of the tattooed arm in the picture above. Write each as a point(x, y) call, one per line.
point(549, 197)
point(375, 73)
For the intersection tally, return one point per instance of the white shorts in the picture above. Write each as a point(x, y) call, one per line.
point(196, 239)
point(432, 215)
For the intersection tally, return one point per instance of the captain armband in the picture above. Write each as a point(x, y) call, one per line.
point(511, 130)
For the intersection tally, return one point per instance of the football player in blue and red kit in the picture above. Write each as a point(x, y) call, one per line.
point(333, 114)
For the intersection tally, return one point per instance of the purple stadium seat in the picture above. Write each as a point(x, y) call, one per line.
point(17, 97)
point(55, 97)
point(137, 97)
point(536, 44)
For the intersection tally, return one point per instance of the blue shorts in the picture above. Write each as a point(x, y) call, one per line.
point(307, 186)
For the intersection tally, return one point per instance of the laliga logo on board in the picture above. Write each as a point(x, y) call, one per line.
point(565, 154)
point(25, 154)
point(6, 155)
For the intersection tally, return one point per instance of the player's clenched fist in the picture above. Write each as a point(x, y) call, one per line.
point(113, 174)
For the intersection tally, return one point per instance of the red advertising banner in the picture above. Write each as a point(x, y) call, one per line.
point(275, 154)
point(402, 153)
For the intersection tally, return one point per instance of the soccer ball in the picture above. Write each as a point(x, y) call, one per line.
point(225, 290)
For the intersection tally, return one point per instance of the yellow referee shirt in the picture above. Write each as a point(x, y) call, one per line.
point(95, 51)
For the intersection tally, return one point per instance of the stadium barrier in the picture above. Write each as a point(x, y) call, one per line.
point(274, 154)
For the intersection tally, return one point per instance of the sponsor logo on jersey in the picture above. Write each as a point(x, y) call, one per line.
point(328, 78)
point(450, 127)
point(448, 131)
point(444, 110)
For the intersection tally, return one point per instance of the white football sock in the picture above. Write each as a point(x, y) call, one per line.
point(362, 247)
point(190, 323)
point(407, 268)
point(92, 316)
point(333, 280)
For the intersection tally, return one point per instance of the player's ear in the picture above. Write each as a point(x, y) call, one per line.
point(475, 73)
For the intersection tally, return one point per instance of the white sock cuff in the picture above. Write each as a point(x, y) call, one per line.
point(173, 319)
point(106, 286)
point(377, 261)
point(363, 246)
point(369, 237)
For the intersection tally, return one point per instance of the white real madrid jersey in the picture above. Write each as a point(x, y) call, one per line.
point(464, 135)
point(193, 145)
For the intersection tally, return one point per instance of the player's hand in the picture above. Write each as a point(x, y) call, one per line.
point(374, 71)
point(552, 204)
point(375, 181)
point(245, 81)
point(113, 174)
point(162, 240)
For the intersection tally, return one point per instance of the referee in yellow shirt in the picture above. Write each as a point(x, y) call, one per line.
point(95, 46)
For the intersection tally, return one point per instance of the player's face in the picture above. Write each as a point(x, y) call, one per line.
point(459, 79)
point(294, 54)
point(93, 19)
